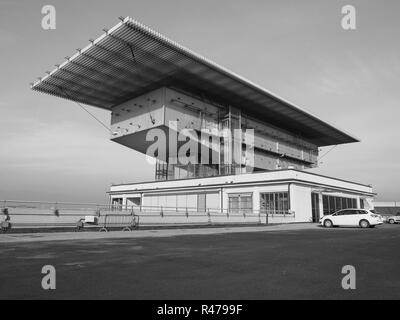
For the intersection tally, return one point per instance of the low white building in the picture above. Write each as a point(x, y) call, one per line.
point(275, 196)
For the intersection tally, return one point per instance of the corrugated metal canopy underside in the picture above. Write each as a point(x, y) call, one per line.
point(130, 59)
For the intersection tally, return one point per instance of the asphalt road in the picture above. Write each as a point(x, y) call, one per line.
point(295, 264)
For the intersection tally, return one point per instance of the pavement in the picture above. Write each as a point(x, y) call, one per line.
point(90, 235)
point(273, 262)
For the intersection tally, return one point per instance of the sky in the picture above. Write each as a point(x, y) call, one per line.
point(51, 150)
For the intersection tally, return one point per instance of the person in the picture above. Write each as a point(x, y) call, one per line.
point(6, 215)
point(4, 222)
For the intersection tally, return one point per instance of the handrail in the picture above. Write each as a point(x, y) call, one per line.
point(58, 214)
point(140, 208)
point(56, 202)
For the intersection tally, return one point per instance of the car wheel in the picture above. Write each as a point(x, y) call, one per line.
point(328, 223)
point(364, 224)
point(391, 221)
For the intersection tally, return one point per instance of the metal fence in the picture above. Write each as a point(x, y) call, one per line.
point(36, 214)
point(123, 222)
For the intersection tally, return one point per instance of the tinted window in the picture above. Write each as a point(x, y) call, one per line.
point(274, 203)
point(333, 204)
point(332, 207)
point(239, 203)
point(325, 200)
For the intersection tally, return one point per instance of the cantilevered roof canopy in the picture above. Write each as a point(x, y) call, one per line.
point(130, 59)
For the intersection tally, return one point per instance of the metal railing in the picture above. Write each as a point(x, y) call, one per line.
point(123, 222)
point(36, 214)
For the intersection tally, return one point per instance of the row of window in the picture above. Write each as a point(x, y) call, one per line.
point(271, 203)
point(192, 201)
point(165, 171)
point(274, 203)
point(332, 204)
point(200, 202)
point(241, 203)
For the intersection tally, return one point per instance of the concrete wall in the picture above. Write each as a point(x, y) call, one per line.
point(138, 114)
point(274, 148)
point(300, 202)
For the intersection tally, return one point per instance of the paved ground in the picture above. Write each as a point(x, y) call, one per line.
point(287, 263)
point(160, 232)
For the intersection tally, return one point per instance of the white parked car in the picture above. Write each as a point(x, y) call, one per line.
point(352, 217)
point(394, 219)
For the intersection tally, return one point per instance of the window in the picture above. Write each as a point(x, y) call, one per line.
point(338, 202)
point(246, 203)
point(212, 201)
point(181, 202)
point(315, 207)
point(332, 206)
point(241, 203)
point(191, 202)
point(201, 202)
point(325, 202)
point(116, 203)
point(332, 203)
point(234, 204)
point(132, 203)
point(274, 203)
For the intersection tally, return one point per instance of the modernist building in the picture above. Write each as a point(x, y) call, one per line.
point(152, 84)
